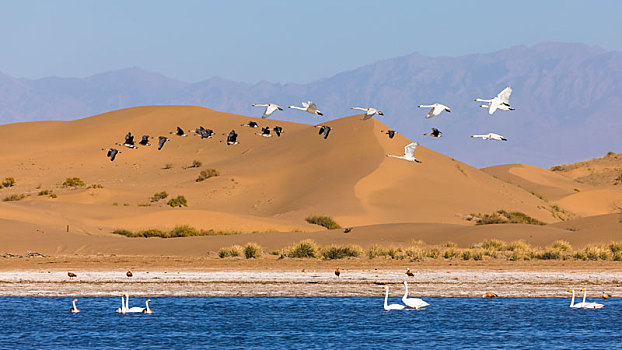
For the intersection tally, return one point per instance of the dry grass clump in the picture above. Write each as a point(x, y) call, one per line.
point(493, 244)
point(561, 245)
point(7, 182)
point(303, 249)
point(505, 217)
point(178, 231)
point(206, 174)
point(95, 186)
point(158, 195)
point(252, 251)
point(196, 164)
point(340, 252)
point(179, 201)
point(230, 252)
point(325, 221)
point(449, 244)
point(73, 182)
point(14, 197)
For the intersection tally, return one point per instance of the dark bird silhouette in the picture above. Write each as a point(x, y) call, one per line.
point(71, 275)
point(129, 140)
point(129, 274)
point(435, 133)
point(337, 272)
point(409, 273)
point(265, 132)
point(606, 295)
point(347, 230)
point(161, 141)
point(278, 130)
point(112, 153)
point(204, 133)
point(324, 129)
point(232, 138)
point(391, 133)
point(180, 132)
point(144, 141)
point(489, 295)
point(251, 124)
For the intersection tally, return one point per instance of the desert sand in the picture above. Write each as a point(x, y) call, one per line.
point(266, 189)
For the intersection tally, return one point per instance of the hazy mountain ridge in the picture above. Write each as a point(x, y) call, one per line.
point(565, 94)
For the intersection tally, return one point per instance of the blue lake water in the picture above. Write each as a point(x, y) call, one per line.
point(314, 322)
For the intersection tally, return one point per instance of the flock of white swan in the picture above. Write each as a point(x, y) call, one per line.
point(412, 303)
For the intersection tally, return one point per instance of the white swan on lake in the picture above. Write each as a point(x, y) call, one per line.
point(572, 303)
point(491, 136)
point(123, 308)
point(129, 309)
point(147, 310)
point(409, 153)
point(415, 303)
point(308, 107)
point(391, 306)
point(369, 112)
point(435, 109)
point(74, 309)
point(270, 108)
point(501, 101)
point(585, 305)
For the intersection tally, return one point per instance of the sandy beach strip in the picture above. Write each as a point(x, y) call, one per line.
point(430, 283)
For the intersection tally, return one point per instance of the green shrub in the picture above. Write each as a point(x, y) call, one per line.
point(124, 232)
point(376, 251)
point(152, 233)
point(184, 231)
point(159, 195)
point(505, 217)
point(95, 186)
point(196, 164)
point(232, 251)
point(14, 197)
point(563, 246)
point(615, 247)
point(44, 193)
point(340, 252)
point(179, 201)
point(415, 253)
point(395, 253)
point(206, 174)
point(478, 255)
point(466, 254)
point(8, 182)
point(433, 253)
point(449, 244)
point(518, 246)
point(53, 195)
point(73, 182)
point(303, 249)
point(178, 231)
point(252, 251)
point(549, 254)
point(325, 221)
point(451, 253)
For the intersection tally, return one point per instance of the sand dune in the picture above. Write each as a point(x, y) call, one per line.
point(266, 184)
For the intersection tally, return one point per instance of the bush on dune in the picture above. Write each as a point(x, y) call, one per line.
point(325, 221)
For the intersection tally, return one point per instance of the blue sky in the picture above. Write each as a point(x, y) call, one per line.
point(279, 41)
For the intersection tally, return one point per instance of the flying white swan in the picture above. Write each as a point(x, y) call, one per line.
point(409, 153)
point(589, 305)
point(74, 309)
point(501, 101)
point(270, 108)
point(435, 109)
point(415, 303)
point(147, 310)
point(392, 306)
point(369, 112)
point(491, 136)
point(129, 309)
point(308, 107)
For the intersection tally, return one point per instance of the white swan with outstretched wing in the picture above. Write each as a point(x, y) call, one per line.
point(409, 153)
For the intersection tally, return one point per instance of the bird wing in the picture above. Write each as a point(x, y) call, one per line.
point(269, 110)
point(431, 113)
point(360, 108)
point(306, 104)
point(504, 95)
point(409, 150)
point(494, 104)
point(312, 108)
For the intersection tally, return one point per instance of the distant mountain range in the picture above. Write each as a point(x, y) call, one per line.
point(567, 99)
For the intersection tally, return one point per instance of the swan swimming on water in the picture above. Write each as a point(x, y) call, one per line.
point(123, 308)
point(589, 305)
point(435, 109)
point(74, 309)
point(391, 306)
point(270, 108)
point(369, 112)
point(147, 310)
point(409, 153)
point(415, 303)
point(308, 107)
point(501, 101)
point(131, 309)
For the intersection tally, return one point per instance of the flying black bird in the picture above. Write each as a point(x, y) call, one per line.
point(391, 133)
point(232, 138)
point(265, 132)
point(204, 133)
point(145, 141)
point(251, 124)
point(278, 130)
point(112, 153)
point(325, 130)
point(180, 132)
point(129, 141)
point(347, 230)
point(435, 133)
point(162, 141)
